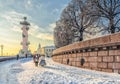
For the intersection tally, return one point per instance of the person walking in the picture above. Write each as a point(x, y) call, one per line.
point(26, 55)
point(42, 60)
point(17, 56)
point(36, 59)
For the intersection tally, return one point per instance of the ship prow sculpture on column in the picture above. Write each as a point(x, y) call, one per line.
point(24, 52)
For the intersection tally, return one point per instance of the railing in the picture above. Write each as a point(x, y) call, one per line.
point(4, 58)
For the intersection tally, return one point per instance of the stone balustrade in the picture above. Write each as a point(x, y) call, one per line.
point(102, 54)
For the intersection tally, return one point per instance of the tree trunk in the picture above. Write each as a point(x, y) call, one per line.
point(81, 34)
point(111, 27)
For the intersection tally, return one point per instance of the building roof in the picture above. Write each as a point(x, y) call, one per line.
point(49, 47)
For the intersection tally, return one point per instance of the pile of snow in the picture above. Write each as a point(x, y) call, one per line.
point(24, 71)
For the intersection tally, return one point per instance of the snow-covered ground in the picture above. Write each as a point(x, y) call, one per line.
point(23, 71)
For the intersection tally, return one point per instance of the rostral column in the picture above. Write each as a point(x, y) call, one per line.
point(25, 43)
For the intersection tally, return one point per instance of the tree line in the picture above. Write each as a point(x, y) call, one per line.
point(83, 19)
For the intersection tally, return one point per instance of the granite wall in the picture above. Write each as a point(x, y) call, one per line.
point(102, 54)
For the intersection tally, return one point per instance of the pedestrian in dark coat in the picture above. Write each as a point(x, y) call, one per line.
point(26, 55)
point(17, 56)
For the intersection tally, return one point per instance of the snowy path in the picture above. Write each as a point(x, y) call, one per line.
point(23, 71)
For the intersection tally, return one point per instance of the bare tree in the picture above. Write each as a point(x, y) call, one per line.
point(56, 41)
point(68, 33)
point(61, 35)
point(109, 13)
point(77, 13)
point(75, 20)
point(57, 36)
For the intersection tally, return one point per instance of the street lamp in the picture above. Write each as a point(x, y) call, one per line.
point(2, 50)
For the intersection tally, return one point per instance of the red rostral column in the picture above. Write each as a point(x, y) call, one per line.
point(25, 43)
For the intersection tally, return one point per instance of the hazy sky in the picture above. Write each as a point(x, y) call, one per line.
point(42, 15)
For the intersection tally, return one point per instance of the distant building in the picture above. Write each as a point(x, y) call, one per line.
point(42, 51)
point(47, 50)
point(38, 49)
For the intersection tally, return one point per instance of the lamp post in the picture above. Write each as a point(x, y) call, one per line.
point(2, 50)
